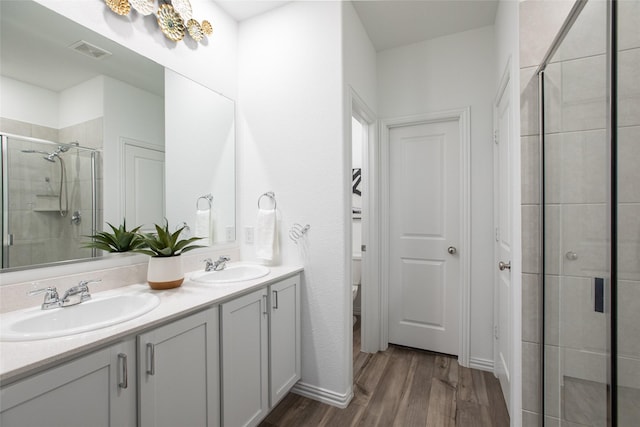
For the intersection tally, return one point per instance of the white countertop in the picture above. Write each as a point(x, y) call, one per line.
point(19, 359)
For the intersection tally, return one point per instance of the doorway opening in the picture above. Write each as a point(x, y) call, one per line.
point(364, 246)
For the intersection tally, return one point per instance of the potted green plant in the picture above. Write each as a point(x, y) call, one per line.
point(165, 265)
point(120, 240)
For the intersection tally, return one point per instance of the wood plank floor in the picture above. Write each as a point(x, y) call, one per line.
point(403, 387)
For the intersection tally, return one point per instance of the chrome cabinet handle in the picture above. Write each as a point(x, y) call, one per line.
point(275, 296)
point(502, 266)
point(452, 250)
point(151, 359)
point(264, 301)
point(124, 381)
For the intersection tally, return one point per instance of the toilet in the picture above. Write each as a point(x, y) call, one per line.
point(356, 279)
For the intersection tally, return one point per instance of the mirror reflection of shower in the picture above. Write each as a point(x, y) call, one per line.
point(50, 195)
point(63, 193)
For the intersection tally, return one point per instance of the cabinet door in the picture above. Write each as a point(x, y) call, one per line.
point(284, 329)
point(94, 390)
point(178, 373)
point(244, 360)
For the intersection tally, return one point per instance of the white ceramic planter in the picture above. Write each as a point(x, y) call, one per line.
point(165, 272)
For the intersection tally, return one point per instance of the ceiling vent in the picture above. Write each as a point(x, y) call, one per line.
point(90, 50)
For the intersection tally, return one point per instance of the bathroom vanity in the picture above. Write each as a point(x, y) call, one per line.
point(207, 355)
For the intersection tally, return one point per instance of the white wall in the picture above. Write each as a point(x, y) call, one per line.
point(441, 74)
point(199, 154)
point(81, 103)
point(507, 60)
point(132, 113)
point(359, 57)
point(28, 103)
point(291, 141)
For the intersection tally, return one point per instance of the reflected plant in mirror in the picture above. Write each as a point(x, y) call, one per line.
point(130, 148)
point(120, 240)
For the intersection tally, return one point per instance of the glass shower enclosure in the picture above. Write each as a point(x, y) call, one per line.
point(590, 140)
point(49, 201)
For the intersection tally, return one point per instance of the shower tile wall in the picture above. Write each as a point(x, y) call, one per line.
point(36, 224)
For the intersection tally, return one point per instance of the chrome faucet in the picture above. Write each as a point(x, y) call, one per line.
point(72, 296)
point(217, 265)
point(77, 294)
point(51, 299)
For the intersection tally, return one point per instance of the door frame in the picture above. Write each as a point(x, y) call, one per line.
point(124, 142)
point(369, 294)
point(462, 116)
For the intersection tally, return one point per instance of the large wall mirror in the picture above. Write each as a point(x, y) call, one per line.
point(94, 133)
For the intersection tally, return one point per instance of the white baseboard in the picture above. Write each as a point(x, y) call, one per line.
point(482, 364)
point(325, 396)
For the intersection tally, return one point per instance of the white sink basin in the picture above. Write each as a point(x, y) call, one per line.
point(232, 273)
point(98, 312)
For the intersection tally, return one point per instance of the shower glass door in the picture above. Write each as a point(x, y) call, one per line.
point(48, 201)
point(628, 213)
point(577, 238)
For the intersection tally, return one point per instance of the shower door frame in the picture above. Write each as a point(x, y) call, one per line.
point(4, 190)
point(4, 225)
point(611, 139)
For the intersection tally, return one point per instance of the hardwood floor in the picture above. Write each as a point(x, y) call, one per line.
point(403, 387)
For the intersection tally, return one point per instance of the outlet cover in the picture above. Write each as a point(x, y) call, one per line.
point(249, 235)
point(230, 231)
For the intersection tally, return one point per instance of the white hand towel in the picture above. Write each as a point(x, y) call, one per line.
point(266, 235)
point(203, 226)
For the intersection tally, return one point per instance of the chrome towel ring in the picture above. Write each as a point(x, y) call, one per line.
point(208, 198)
point(272, 196)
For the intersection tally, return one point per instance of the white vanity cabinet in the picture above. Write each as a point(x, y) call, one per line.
point(284, 337)
point(228, 364)
point(244, 340)
point(178, 373)
point(260, 351)
point(98, 389)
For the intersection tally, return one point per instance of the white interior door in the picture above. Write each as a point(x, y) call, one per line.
point(502, 190)
point(143, 198)
point(424, 236)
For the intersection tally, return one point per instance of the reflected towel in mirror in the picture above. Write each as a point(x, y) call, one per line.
point(266, 235)
point(203, 226)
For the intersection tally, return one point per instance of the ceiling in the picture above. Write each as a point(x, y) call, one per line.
point(389, 23)
point(393, 23)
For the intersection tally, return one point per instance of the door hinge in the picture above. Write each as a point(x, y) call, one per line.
point(496, 335)
point(497, 234)
point(496, 135)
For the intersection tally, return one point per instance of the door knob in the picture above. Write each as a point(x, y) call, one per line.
point(502, 266)
point(452, 250)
